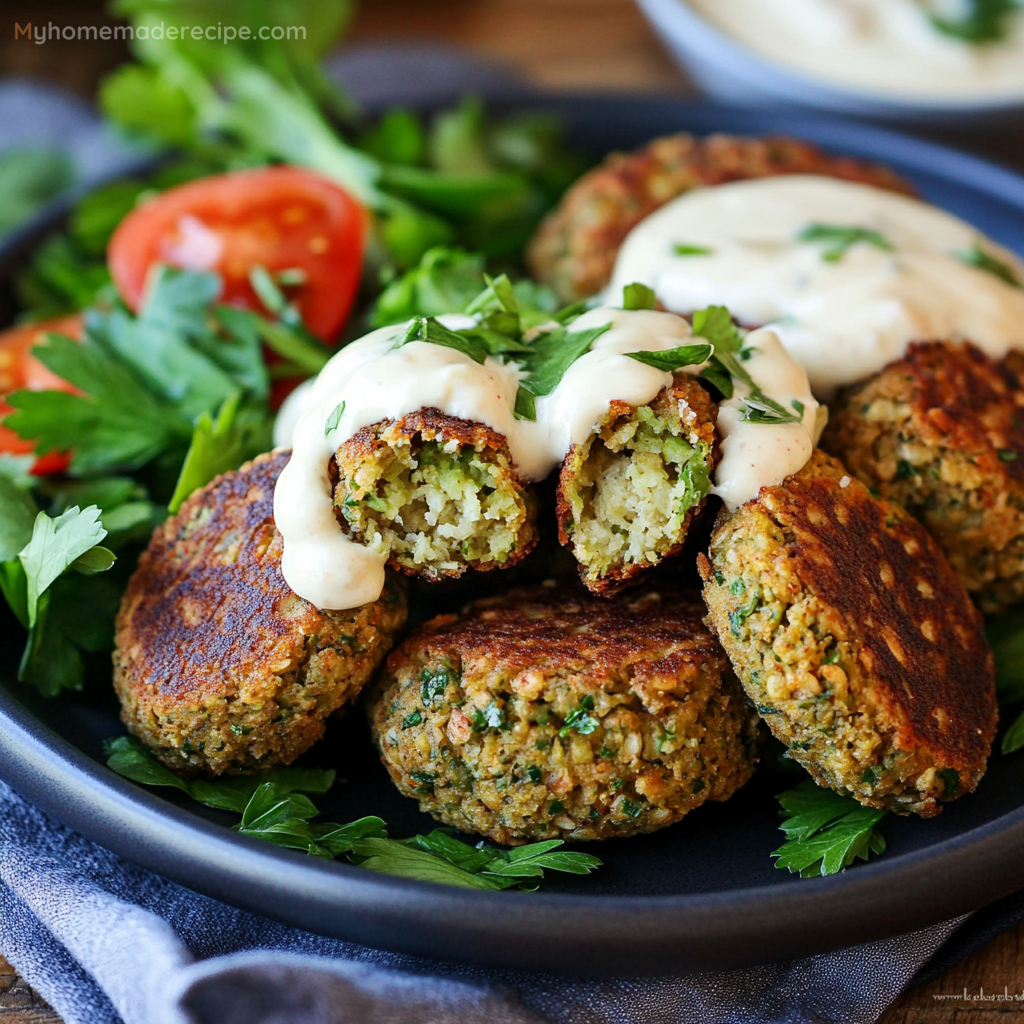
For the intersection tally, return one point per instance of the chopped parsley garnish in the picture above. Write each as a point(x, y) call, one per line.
point(412, 719)
point(273, 807)
point(556, 807)
point(550, 355)
point(838, 238)
point(534, 773)
point(682, 249)
point(673, 359)
point(825, 832)
point(334, 419)
point(759, 408)
point(638, 296)
point(979, 259)
point(428, 329)
point(983, 21)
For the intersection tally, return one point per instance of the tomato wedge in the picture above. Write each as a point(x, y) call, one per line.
point(280, 218)
point(20, 369)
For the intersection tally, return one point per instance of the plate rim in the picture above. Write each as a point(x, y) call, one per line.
point(655, 934)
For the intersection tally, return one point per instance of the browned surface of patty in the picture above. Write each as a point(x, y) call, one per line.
point(548, 712)
point(841, 571)
point(575, 247)
point(685, 404)
point(219, 665)
point(941, 432)
point(362, 460)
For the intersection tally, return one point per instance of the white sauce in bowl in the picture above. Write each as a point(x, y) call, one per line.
point(377, 379)
point(843, 320)
point(884, 47)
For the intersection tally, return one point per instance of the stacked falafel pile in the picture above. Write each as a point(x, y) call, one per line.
point(837, 606)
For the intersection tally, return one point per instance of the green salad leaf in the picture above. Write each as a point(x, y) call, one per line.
point(274, 806)
point(825, 832)
point(28, 179)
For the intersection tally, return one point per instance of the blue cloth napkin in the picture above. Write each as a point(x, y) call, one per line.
point(104, 941)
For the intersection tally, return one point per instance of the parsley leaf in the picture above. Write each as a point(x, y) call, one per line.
point(984, 21)
point(838, 238)
point(674, 358)
point(638, 296)
point(1006, 637)
point(430, 330)
point(129, 757)
point(825, 832)
point(551, 354)
point(219, 445)
point(33, 585)
point(759, 408)
point(979, 259)
point(274, 807)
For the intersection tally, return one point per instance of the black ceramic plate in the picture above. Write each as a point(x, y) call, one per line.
point(702, 894)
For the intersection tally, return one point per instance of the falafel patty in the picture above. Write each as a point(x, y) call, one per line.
point(437, 494)
point(941, 432)
point(575, 247)
point(219, 666)
point(627, 494)
point(550, 713)
point(855, 639)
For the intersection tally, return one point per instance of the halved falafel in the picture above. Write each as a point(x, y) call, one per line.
point(219, 666)
point(437, 494)
point(550, 713)
point(855, 639)
point(941, 432)
point(575, 247)
point(627, 495)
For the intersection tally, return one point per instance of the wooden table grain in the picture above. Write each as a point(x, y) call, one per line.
point(578, 44)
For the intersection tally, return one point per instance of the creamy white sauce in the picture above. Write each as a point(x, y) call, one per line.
point(884, 47)
point(755, 455)
point(377, 381)
point(845, 320)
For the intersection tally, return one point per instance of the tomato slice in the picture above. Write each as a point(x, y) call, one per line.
point(281, 218)
point(20, 369)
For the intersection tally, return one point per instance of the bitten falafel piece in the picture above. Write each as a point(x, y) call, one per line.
point(855, 639)
point(941, 432)
point(627, 495)
point(550, 713)
point(219, 666)
point(575, 247)
point(439, 495)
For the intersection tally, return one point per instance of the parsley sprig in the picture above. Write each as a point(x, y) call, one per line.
point(274, 806)
point(37, 552)
point(1006, 637)
point(839, 238)
point(825, 832)
point(715, 324)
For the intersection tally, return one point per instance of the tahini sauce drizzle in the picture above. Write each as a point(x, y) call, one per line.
point(378, 381)
point(882, 47)
point(842, 321)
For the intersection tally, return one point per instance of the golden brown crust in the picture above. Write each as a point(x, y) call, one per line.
point(941, 432)
point(361, 465)
point(547, 712)
point(574, 249)
point(219, 665)
point(685, 401)
point(855, 614)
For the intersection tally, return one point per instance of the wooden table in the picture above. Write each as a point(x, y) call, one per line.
point(579, 44)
